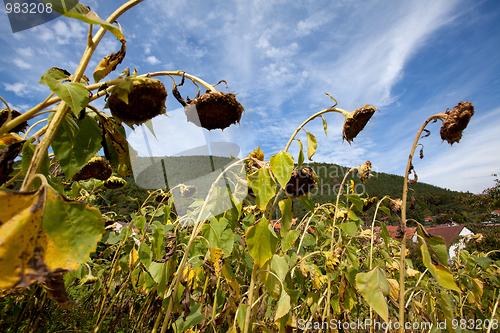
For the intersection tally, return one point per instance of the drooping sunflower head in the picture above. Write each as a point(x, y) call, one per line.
point(456, 121)
point(97, 168)
point(4, 114)
point(188, 191)
point(356, 121)
point(364, 171)
point(214, 109)
point(137, 101)
point(396, 204)
point(301, 182)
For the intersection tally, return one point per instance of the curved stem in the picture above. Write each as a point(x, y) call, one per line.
point(403, 221)
point(373, 226)
point(343, 112)
point(250, 298)
point(56, 122)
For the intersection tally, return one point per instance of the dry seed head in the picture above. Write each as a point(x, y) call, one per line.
point(356, 121)
point(146, 100)
point(4, 114)
point(368, 203)
point(456, 121)
point(189, 191)
point(114, 183)
point(97, 167)
point(162, 197)
point(396, 204)
point(301, 182)
point(214, 109)
point(364, 171)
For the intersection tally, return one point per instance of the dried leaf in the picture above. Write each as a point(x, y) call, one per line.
point(109, 63)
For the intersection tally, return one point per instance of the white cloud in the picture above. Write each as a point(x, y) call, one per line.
point(25, 52)
point(17, 88)
point(21, 63)
point(152, 60)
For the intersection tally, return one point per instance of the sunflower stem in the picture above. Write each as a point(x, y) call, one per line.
point(403, 221)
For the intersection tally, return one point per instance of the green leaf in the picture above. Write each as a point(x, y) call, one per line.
point(261, 242)
point(384, 233)
point(145, 255)
point(386, 210)
point(159, 272)
point(75, 143)
point(301, 154)
point(286, 216)
point(282, 167)
point(263, 186)
point(283, 307)
point(442, 275)
point(55, 73)
point(240, 316)
point(356, 200)
point(437, 244)
point(325, 126)
point(349, 228)
point(219, 235)
point(307, 202)
point(28, 152)
point(194, 318)
point(278, 266)
point(290, 239)
point(374, 288)
point(312, 144)
point(74, 94)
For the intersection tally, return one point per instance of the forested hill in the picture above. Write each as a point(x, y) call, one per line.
point(430, 200)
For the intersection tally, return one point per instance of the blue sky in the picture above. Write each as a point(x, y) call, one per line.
point(410, 59)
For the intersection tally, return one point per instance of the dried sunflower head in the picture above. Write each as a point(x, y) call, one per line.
point(257, 154)
point(9, 139)
point(137, 101)
point(368, 203)
point(456, 121)
point(114, 183)
point(356, 121)
point(396, 204)
point(214, 109)
point(188, 192)
point(162, 197)
point(4, 114)
point(364, 171)
point(97, 167)
point(301, 183)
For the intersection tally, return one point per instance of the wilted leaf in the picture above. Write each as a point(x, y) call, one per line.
point(64, 231)
point(116, 147)
point(439, 272)
point(301, 153)
point(109, 63)
point(184, 323)
point(325, 126)
point(261, 242)
point(312, 145)
point(374, 288)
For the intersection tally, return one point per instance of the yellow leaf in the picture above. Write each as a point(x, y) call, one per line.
point(109, 63)
point(393, 288)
